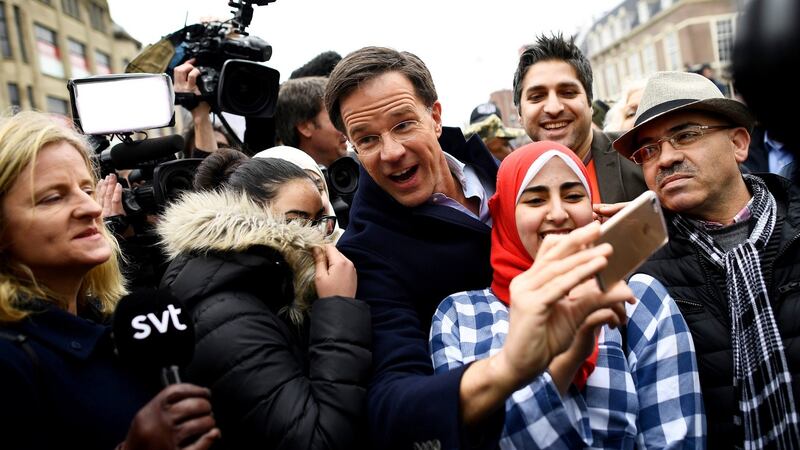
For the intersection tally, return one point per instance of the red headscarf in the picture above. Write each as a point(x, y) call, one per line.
point(508, 256)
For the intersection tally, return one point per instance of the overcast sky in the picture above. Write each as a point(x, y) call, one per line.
point(470, 46)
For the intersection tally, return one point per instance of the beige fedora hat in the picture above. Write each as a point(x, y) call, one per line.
point(667, 92)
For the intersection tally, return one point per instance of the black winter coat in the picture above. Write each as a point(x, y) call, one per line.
point(700, 292)
point(275, 383)
point(64, 387)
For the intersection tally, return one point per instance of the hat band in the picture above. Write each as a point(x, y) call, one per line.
point(662, 108)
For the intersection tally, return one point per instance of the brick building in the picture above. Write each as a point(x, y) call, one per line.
point(43, 43)
point(640, 37)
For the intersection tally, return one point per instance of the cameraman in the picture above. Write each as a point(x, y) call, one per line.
point(205, 137)
point(302, 122)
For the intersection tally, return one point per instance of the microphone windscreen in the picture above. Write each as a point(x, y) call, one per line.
point(127, 156)
point(153, 330)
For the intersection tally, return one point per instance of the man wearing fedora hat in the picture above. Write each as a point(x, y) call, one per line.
point(733, 259)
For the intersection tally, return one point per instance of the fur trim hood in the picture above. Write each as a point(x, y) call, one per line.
point(221, 221)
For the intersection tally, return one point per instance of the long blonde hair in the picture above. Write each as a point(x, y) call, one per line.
point(22, 137)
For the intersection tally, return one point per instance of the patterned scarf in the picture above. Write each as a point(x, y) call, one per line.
point(762, 380)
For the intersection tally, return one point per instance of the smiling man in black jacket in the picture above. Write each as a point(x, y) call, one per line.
point(732, 262)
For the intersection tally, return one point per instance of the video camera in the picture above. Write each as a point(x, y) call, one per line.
point(117, 106)
point(140, 102)
point(231, 80)
point(342, 180)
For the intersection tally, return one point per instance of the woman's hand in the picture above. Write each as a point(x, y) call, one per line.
point(109, 196)
point(550, 302)
point(335, 274)
point(179, 417)
point(566, 365)
point(546, 313)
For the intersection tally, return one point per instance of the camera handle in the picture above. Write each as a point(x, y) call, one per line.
point(243, 13)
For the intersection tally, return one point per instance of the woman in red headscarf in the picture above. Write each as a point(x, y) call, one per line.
point(632, 387)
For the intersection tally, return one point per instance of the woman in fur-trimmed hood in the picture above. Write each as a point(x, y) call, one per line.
point(286, 369)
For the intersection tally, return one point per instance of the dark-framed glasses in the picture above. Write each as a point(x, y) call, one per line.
point(326, 224)
point(680, 139)
point(402, 132)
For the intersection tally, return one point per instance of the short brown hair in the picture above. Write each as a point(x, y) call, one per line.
point(299, 100)
point(370, 62)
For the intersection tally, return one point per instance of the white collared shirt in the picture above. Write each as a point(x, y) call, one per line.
point(472, 186)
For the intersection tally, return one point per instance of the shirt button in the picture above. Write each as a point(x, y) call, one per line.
point(75, 345)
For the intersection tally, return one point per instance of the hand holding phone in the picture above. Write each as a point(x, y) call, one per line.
point(635, 232)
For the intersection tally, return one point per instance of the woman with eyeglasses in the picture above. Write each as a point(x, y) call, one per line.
point(280, 340)
point(307, 163)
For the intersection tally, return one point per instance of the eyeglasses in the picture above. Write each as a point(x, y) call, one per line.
point(326, 224)
point(402, 132)
point(678, 140)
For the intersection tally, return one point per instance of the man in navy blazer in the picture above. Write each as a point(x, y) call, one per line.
point(419, 231)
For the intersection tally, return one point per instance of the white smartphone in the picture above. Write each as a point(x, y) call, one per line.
point(637, 231)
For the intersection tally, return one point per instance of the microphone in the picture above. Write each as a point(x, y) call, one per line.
point(153, 332)
point(129, 155)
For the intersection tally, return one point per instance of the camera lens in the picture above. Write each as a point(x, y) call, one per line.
point(246, 93)
point(344, 175)
point(248, 89)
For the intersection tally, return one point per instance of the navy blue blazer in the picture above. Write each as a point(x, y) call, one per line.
point(75, 395)
point(408, 260)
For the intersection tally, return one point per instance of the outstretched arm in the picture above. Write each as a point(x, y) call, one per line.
point(543, 319)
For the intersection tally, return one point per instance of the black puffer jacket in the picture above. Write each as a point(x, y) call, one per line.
point(283, 373)
point(700, 292)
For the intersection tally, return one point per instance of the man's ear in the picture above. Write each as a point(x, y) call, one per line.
point(740, 139)
point(306, 128)
point(436, 113)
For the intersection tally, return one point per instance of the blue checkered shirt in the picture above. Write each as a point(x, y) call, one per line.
point(646, 395)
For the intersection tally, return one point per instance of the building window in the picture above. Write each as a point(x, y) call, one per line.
point(635, 66)
point(46, 2)
point(49, 54)
point(23, 51)
point(31, 98)
point(594, 47)
point(605, 36)
point(725, 39)
point(56, 105)
point(649, 62)
point(644, 11)
point(71, 8)
point(5, 42)
point(672, 51)
point(77, 59)
point(97, 17)
point(102, 63)
point(13, 97)
point(612, 82)
point(622, 70)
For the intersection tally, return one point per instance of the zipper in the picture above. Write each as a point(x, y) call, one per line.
point(691, 306)
point(786, 288)
point(786, 247)
point(789, 287)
